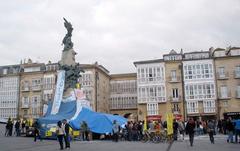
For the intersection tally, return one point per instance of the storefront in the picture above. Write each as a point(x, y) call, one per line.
point(233, 115)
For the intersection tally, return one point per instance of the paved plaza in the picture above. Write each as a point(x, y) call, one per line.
point(201, 144)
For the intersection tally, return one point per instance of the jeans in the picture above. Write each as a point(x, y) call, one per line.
point(60, 140)
point(191, 138)
point(230, 136)
point(211, 136)
point(237, 133)
point(67, 141)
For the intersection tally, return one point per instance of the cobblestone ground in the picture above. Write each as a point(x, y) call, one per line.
point(201, 144)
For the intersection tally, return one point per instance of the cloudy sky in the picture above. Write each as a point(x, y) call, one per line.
point(115, 32)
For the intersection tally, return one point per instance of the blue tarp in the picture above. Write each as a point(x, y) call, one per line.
point(97, 122)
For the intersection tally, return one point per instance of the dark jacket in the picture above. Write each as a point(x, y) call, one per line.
point(190, 127)
point(229, 126)
point(67, 128)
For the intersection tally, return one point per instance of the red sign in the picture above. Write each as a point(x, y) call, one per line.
point(154, 117)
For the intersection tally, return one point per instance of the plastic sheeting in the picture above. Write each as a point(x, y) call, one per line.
point(97, 122)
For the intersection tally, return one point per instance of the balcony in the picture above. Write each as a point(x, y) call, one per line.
point(172, 99)
point(36, 88)
point(174, 79)
point(209, 109)
point(25, 106)
point(224, 96)
point(236, 74)
point(222, 76)
point(25, 88)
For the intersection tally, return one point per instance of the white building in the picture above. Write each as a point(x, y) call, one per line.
point(9, 91)
point(151, 85)
point(199, 84)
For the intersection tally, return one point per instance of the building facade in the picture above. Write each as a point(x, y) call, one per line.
point(227, 68)
point(174, 84)
point(95, 84)
point(199, 85)
point(151, 89)
point(31, 91)
point(123, 95)
point(9, 91)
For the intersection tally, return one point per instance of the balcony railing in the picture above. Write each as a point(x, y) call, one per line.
point(175, 99)
point(222, 76)
point(236, 74)
point(174, 79)
point(36, 87)
point(209, 109)
point(25, 106)
point(25, 88)
point(225, 96)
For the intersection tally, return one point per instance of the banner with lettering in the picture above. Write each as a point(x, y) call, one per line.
point(58, 92)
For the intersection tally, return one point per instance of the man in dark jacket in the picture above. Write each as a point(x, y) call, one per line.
point(230, 130)
point(175, 129)
point(190, 130)
point(66, 136)
point(17, 128)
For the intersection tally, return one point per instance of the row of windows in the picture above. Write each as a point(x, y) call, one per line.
point(119, 87)
point(9, 83)
point(152, 108)
point(208, 106)
point(8, 103)
point(123, 102)
point(9, 112)
point(150, 74)
point(198, 71)
point(200, 91)
point(151, 94)
point(86, 79)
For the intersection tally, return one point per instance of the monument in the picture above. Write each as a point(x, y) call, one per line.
point(68, 63)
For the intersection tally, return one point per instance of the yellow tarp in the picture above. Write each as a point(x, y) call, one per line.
point(48, 133)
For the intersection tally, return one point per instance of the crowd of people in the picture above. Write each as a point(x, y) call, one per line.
point(134, 131)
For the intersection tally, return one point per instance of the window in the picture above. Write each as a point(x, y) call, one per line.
point(237, 72)
point(223, 92)
point(175, 108)
point(221, 72)
point(152, 109)
point(175, 93)
point(192, 107)
point(209, 106)
point(5, 71)
point(238, 91)
point(173, 75)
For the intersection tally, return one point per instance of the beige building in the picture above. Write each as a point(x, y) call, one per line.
point(123, 95)
point(96, 87)
point(174, 84)
point(31, 98)
point(227, 68)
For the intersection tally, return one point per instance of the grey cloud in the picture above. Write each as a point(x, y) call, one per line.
point(115, 33)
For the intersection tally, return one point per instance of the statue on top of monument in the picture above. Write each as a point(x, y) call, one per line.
point(68, 44)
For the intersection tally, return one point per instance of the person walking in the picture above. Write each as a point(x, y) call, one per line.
point(211, 128)
point(175, 129)
point(10, 130)
point(60, 134)
point(66, 136)
point(230, 130)
point(7, 127)
point(190, 130)
point(115, 130)
point(181, 129)
point(36, 131)
point(17, 128)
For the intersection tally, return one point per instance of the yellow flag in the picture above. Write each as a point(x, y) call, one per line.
point(170, 124)
point(145, 124)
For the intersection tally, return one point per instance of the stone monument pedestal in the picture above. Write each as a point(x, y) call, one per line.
point(68, 57)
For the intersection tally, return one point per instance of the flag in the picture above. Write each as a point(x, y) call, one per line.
point(169, 123)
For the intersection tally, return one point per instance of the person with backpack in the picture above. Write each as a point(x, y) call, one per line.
point(190, 130)
point(211, 129)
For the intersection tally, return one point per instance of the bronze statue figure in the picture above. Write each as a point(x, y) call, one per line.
point(68, 44)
